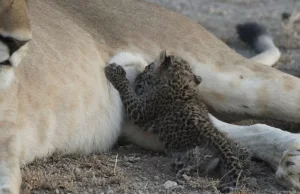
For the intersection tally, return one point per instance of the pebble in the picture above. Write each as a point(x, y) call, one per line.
point(186, 177)
point(156, 178)
point(110, 192)
point(77, 170)
point(169, 184)
point(137, 179)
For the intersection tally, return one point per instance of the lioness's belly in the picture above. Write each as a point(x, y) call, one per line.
point(65, 102)
point(83, 116)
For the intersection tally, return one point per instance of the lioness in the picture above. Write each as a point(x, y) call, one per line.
point(58, 99)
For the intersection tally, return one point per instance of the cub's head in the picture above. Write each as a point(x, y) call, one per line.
point(177, 71)
point(144, 80)
point(173, 70)
point(15, 32)
point(288, 171)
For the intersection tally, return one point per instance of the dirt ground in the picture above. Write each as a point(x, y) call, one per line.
point(129, 169)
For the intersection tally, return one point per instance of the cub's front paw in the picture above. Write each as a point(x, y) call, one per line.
point(115, 73)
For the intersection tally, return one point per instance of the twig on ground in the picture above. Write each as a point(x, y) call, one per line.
point(116, 161)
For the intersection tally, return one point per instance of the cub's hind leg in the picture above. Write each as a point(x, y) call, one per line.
point(232, 166)
point(204, 160)
point(180, 133)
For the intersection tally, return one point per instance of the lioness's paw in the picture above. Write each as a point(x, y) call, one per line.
point(288, 170)
point(114, 73)
point(5, 189)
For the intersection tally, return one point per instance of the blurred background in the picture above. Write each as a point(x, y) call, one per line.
point(221, 16)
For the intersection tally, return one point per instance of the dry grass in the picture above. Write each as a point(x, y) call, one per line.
point(120, 173)
point(72, 174)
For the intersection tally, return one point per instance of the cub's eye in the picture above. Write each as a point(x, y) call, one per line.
point(150, 67)
point(197, 79)
point(289, 163)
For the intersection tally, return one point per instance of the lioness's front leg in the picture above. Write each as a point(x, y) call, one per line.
point(10, 175)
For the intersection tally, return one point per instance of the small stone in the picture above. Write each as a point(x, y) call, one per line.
point(110, 192)
point(137, 167)
point(77, 170)
point(131, 159)
point(186, 177)
point(252, 181)
point(177, 188)
point(169, 184)
point(127, 164)
point(156, 178)
point(137, 179)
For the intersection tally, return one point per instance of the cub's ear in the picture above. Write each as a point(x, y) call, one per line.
point(164, 60)
point(162, 56)
point(197, 79)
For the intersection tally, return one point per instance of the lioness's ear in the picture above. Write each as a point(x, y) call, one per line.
point(197, 79)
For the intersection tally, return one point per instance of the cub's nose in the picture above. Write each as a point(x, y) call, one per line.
point(12, 43)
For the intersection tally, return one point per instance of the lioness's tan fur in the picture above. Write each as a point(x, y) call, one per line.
point(60, 100)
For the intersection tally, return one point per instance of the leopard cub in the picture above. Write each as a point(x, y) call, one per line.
point(165, 102)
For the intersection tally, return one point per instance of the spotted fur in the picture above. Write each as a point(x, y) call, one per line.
point(171, 109)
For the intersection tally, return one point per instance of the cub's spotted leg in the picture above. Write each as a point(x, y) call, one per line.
point(231, 165)
point(181, 134)
point(198, 131)
point(243, 154)
point(134, 105)
point(204, 160)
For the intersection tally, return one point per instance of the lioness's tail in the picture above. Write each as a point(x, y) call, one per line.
point(257, 37)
